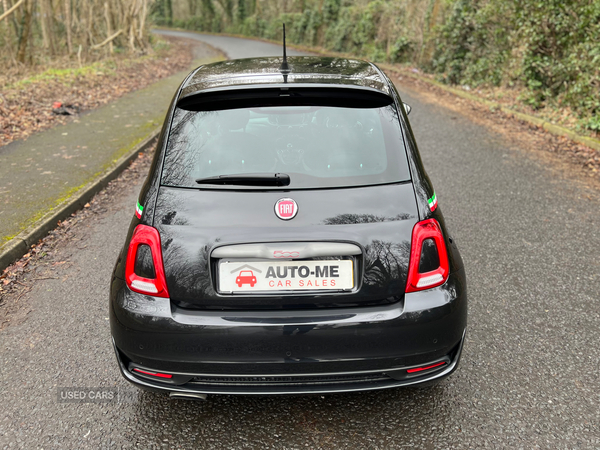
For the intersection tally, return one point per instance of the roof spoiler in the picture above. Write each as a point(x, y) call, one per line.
point(234, 97)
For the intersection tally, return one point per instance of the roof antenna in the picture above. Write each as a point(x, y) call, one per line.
point(284, 68)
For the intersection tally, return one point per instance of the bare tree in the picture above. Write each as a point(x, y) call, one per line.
point(32, 29)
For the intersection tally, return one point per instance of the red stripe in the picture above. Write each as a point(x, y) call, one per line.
point(161, 375)
point(419, 369)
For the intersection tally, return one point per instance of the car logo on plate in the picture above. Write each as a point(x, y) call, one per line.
point(286, 208)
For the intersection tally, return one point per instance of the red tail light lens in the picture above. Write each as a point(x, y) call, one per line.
point(417, 281)
point(145, 235)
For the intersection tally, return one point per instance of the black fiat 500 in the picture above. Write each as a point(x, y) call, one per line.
point(287, 240)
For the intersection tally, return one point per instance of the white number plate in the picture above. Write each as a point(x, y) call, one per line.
point(260, 276)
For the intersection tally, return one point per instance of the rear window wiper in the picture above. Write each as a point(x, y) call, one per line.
point(249, 179)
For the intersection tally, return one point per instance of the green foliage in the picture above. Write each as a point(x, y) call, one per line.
point(594, 123)
point(549, 47)
point(338, 36)
point(562, 55)
point(472, 45)
point(401, 50)
point(331, 9)
point(242, 12)
point(67, 76)
point(161, 12)
point(208, 19)
point(358, 30)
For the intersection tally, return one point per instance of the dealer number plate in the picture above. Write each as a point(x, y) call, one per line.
point(260, 276)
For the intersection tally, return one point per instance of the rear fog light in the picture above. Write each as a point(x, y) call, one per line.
point(153, 374)
point(428, 367)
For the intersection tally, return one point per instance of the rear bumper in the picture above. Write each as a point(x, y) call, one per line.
point(279, 384)
point(290, 352)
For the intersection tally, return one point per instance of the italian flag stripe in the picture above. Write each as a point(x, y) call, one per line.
point(138, 210)
point(432, 202)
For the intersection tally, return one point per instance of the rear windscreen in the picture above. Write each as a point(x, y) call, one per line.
point(317, 146)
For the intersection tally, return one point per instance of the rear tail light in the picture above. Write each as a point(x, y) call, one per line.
point(428, 265)
point(146, 239)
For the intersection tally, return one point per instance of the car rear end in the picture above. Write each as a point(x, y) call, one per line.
point(286, 244)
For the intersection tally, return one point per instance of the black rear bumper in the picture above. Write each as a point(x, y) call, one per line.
point(274, 384)
point(290, 352)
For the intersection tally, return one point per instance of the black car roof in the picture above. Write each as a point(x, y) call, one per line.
point(306, 72)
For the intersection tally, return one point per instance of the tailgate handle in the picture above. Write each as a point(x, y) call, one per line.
point(287, 250)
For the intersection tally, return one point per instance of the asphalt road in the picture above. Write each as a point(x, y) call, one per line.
point(530, 373)
point(234, 47)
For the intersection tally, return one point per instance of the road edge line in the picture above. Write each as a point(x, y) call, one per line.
point(19, 245)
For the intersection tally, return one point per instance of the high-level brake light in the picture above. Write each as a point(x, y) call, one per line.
point(417, 281)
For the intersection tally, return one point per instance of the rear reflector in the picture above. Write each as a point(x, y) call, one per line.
point(417, 281)
point(432, 366)
point(145, 235)
point(153, 374)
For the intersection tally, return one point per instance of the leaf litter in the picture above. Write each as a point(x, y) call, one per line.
point(43, 102)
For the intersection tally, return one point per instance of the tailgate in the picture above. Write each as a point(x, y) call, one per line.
point(228, 249)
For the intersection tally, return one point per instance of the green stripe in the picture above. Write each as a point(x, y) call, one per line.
point(432, 199)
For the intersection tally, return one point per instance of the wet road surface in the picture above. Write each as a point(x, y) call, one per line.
point(529, 376)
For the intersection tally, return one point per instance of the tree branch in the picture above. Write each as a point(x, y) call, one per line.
point(107, 40)
point(7, 13)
